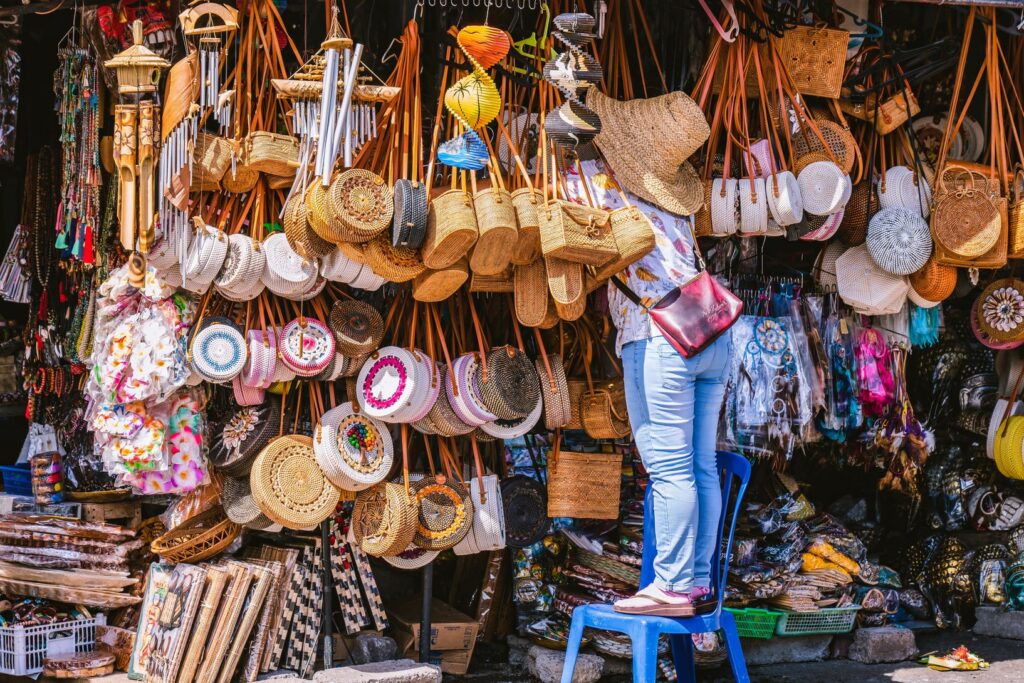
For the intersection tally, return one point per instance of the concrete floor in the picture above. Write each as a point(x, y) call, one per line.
point(1005, 656)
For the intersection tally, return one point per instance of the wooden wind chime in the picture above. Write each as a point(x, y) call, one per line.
point(135, 145)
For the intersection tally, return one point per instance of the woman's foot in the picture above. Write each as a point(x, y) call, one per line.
point(659, 602)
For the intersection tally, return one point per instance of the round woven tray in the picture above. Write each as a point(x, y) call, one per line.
point(198, 538)
point(289, 486)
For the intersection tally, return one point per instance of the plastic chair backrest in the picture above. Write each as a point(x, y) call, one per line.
point(735, 471)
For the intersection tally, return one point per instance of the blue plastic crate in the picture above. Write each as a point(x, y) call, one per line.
point(17, 480)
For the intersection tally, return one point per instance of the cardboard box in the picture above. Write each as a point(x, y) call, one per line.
point(454, 662)
point(449, 628)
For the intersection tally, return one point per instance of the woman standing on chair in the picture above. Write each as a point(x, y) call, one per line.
point(674, 402)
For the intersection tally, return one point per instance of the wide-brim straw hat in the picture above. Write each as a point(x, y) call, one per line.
point(647, 143)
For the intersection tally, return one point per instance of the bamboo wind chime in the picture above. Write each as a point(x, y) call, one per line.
point(207, 28)
point(135, 144)
point(334, 110)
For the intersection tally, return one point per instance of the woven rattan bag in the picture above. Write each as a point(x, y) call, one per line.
point(445, 512)
point(451, 229)
point(210, 161)
point(384, 519)
point(272, 153)
point(577, 233)
point(583, 485)
point(289, 486)
point(498, 238)
point(1015, 216)
point(815, 58)
point(966, 222)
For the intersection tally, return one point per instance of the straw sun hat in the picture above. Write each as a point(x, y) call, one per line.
point(647, 143)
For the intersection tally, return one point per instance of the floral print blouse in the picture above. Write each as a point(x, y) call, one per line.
point(669, 265)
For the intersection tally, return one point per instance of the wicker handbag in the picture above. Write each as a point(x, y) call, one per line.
point(357, 326)
point(934, 282)
point(525, 502)
point(410, 214)
point(634, 239)
point(530, 293)
point(496, 221)
point(289, 486)
point(508, 383)
point(1015, 215)
point(526, 201)
point(361, 205)
point(554, 387)
point(272, 153)
point(858, 211)
point(438, 285)
point(394, 264)
point(199, 538)
point(384, 519)
point(815, 58)
point(445, 512)
point(1000, 311)
point(303, 239)
point(451, 229)
point(966, 221)
point(211, 159)
point(237, 440)
point(583, 485)
point(576, 233)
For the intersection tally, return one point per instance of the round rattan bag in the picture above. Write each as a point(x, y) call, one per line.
point(1001, 310)
point(384, 519)
point(934, 281)
point(526, 506)
point(899, 240)
point(357, 327)
point(511, 387)
point(965, 221)
point(362, 203)
point(218, 350)
point(445, 512)
point(236, 497)
point(858, 211)
point(289, 486)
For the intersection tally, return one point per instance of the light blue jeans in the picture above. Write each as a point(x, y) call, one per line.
point(674, 404)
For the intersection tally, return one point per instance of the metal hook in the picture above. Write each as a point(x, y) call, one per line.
point(388, 54)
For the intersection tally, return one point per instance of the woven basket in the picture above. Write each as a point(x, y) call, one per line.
point(1015, 216)
point(512, 388)
point(303, 239)
point(357, 326)
point(839, 140)
point(1000, 311)
point(502, 283)
point(210, 161)
point(584, 485)
point(702, 219)
point(272, 153)
point(525, 501)
point(899, 241)
point(451, 229)
point(634, 239)
point(576, 233)
point(410, 216)
point(236, 497)
point(394, 264)
point(555, 389)
point(498, 238)
point(361, 205)
point(858, 211)
point(530, 292)
point(565, 280)
point(526, 201)
point(445, 513)
point(384, 519)
point(241, 179)
point(991, 259)
point(438, 285)
point(318, 212)
point(577, 387)
point(289, 486)
point(603, 411)
point(573, 311)
point(965, 221)
point(198, 538)
point(815, 59)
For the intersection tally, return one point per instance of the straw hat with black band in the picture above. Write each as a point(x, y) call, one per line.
point(647, 143)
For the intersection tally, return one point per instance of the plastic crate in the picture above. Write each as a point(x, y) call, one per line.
point(753, 622)
point(826, 620)
point(17, 480)
point(22, 649)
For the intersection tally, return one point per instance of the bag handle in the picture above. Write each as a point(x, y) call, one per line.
point(478, 463)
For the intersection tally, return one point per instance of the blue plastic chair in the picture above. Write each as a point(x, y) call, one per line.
point(644, 630)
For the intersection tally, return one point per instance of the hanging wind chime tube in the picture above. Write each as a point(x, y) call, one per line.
point(346, 106)
point(328, 108)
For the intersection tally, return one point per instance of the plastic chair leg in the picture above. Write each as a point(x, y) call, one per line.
point(682, 656)
point(645, 656)
point(572, 650)
point(735, 649)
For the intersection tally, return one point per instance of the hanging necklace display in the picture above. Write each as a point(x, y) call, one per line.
point(474, 100)
point(573, 72)
point(135, 144)
point(75, 84)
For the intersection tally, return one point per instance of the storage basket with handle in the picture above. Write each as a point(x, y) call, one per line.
point(272, 153)
point(583, 485)
point(815, 58)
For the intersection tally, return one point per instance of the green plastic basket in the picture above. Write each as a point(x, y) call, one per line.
point(826, 620)
point(752, 622)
